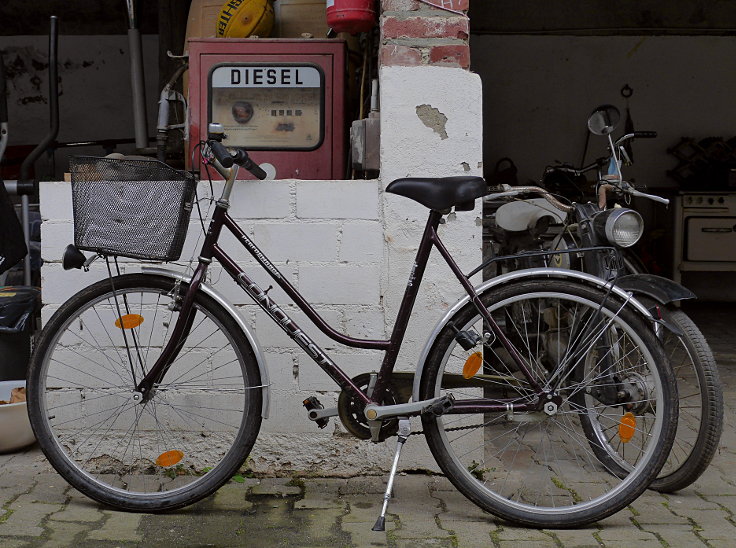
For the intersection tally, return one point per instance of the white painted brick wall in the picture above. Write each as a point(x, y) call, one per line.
point(348, 247)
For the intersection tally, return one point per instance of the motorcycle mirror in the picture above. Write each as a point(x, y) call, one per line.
point(604, 120)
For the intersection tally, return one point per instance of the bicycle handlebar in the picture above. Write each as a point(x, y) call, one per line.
point(239, 157)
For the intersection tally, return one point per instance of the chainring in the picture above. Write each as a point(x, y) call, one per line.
point(353, 418)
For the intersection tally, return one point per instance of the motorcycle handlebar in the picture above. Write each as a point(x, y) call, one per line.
point(509, 191)
point(645, 134)
point(652, 197)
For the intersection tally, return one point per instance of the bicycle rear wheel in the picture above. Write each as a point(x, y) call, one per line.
point(114, 446)
point(538, 468)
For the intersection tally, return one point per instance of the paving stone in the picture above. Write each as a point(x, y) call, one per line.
point(361, 535)
point(319, 500)
point(74, 511)
point(7, 542)
point(62, 535)
point(50, 488)
point(365, 509)
point(508, 532)
point(275, 487)
point(118, 526)
point(231, 497)
point(467, 533)
point(577, 538)
point(527, 543)
point(27, 518)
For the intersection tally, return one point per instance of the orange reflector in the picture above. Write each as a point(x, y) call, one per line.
point(169, 458)
point(472, 365)
point(129, 321)
point(627, 427)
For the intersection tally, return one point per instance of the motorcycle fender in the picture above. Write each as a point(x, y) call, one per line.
point(515, 276)
point(210, 292)
point(660, 289)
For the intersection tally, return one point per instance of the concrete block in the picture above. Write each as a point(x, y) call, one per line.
point(271, 335)
point(337, 199)
point(59, 284)
point(55, 236)
point(261, 200)
point(312, 377)
point(298, 242)
point(362, 242)
point(366, 323)
point(340, 284)
point(55, 200)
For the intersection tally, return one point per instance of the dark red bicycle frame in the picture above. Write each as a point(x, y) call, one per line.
point(211, 250)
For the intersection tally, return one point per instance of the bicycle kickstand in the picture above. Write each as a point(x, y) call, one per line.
point(403, 435)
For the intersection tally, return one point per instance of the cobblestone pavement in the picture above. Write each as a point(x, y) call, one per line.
point(40, 509)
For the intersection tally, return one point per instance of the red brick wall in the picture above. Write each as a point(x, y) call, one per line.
point(414, 33)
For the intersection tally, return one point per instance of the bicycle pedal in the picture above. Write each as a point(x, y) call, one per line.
point(316, 411)
point(440, 407)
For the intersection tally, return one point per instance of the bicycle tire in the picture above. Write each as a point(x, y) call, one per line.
point(700, 403)
point(190, 438)
point(571, 491)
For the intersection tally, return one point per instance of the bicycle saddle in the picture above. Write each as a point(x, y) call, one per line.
point(442, 193)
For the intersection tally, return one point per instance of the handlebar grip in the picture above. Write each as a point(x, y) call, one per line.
point(652, 197)
point(256, 170)
point(645, 134)
point(222, 154)
point(3, 93)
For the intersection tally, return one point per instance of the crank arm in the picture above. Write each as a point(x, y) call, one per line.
point(375, 412)
point(316, 414)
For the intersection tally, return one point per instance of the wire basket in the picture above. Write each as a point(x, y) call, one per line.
point(132, 208)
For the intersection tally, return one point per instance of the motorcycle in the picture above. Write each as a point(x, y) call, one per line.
point(590, 236)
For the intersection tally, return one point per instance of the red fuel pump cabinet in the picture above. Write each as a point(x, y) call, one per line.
point(352, 16)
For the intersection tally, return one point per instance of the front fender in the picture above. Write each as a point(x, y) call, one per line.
point(513, 277)
point(660, 289)
point(230, 309)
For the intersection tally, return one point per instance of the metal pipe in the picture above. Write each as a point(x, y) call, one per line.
point(137, 81)
point(25, 217)
point(25, 168)
point(3, 109)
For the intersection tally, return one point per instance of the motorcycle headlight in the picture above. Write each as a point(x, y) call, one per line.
point(620, 226)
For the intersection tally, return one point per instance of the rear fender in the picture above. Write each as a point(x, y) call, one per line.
point(660, 289)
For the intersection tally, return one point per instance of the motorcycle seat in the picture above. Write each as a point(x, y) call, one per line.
point(441, 193)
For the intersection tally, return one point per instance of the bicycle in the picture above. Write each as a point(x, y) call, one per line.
point(147, 391)
point(585, 227)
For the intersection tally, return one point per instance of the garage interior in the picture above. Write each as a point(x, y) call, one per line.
point(546, 65)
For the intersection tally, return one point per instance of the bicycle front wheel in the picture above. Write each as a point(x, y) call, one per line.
point(134, 453)
point(592, 356)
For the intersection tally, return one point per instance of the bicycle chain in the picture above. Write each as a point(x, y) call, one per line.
point(450, 429)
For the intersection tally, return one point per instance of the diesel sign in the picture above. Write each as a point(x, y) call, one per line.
point(265, 76)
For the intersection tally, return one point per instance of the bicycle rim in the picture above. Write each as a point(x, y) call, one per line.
point(180, 445)
point(536, 468)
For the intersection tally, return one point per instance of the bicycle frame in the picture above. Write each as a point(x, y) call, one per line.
point(212, 251)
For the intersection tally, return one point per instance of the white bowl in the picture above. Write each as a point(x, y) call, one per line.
point(15, 428)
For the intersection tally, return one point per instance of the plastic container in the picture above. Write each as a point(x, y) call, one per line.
point(15, 428)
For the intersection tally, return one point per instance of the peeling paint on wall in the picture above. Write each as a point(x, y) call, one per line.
point(433, 119)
